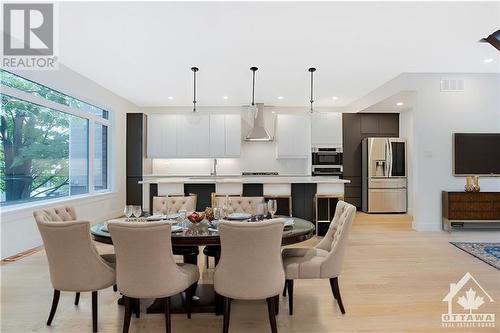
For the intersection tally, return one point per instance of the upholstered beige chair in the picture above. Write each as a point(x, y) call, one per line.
point(324, 261)
point(172, 204)
point(239, 204)
point(146, 267)
point(74, 263)
point(250, 267)
point(236, 204)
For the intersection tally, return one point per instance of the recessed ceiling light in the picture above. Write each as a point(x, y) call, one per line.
point(273, 111)
point(335, 98)
point(225, 97)
point(488, 60)
point(281, 97)
point(170, 97)
point(400, 103)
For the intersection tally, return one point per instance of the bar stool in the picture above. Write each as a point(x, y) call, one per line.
point(282, 193)
point(325, 203)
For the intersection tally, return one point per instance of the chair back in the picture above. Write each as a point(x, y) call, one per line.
point(171, 205)
point(145, 265)
point(250, 266)
point(74, 263)
point(335, 241)
point(240, 204)
point(55, 214)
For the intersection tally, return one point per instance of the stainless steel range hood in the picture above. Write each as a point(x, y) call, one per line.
point(258, 132)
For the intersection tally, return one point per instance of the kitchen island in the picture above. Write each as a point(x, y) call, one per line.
point(301, 192)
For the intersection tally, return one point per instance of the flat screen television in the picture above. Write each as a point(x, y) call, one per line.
point(476, 154)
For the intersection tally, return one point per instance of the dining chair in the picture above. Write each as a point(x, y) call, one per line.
point(237, 204)
point(250, 267)
point(74, 263)
point(146, 267)
point(171, 205)
point(324, 261)
point(65, 214)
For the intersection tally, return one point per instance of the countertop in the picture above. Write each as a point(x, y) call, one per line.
point(159, 179)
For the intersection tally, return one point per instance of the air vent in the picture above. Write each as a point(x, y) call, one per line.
point(452, 85)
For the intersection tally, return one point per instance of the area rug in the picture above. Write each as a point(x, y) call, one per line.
point(487, 252)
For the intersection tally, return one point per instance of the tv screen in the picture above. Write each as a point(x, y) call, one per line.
point(476, 153)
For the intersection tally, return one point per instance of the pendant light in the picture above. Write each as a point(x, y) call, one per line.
point(312, 70)
point(252, 107)
point(194, 69)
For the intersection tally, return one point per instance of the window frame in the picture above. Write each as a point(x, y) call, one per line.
point(92, 120)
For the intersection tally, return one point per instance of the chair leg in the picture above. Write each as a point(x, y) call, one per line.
point(206, 261)
point(277, 305)
point(94, 311)
point(284, 288)
point(77, 298)
point(137, 306)
point(127, 315)
point(216, 259)
point(271, 309)
point(289, 284)
point(53, 309)
point(227, 314)
point(334, 284)
point(167, 315)
point(115, 288)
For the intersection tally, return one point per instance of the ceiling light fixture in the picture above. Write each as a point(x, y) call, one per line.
point(281, 97)
point(488, 60)
point(400, 103)
point(252, 106)
point(335, 98)
point(312, 70)
point(493, 39)
point(194, 69)
point(170, 97)
point(225, 97)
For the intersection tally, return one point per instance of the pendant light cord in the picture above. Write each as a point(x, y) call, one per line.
point(312, 70)
point(194, 69)
point(253, 69)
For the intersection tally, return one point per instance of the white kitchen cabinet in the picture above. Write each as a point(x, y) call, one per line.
point(193, 136)
point(225, 135)
point(232, 135)
point(162, 136)
point(326, 129)
point(293, 136)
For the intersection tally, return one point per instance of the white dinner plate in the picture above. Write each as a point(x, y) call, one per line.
point(239, 216)
point(163, 217)
point(175, 228)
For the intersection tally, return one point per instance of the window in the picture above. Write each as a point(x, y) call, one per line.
point(45, 148)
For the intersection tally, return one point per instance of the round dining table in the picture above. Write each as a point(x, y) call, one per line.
point(201, 234)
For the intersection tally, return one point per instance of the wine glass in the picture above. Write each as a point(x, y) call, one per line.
point(181, 219)
point(260, 211)
point(272, 206)
point(137, 211)
point(128, 212)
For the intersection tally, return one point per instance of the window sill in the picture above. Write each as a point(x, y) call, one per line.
point(96, 196)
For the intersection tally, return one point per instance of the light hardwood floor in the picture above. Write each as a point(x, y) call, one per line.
point(394, 280)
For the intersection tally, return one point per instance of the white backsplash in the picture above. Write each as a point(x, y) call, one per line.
point(255, 157)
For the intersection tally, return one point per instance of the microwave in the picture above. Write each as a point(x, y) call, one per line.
point(326, 156)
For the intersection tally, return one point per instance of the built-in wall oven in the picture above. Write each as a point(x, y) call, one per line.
point(327, 161)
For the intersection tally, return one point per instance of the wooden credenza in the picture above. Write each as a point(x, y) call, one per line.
point(469, 207)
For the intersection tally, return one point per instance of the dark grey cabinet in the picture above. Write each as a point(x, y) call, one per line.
point(135, 153)
point(356, 127)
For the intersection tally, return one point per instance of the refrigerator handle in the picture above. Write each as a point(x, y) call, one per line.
point(389, 150)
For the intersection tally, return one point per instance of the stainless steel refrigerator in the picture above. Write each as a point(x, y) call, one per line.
point(384, 175)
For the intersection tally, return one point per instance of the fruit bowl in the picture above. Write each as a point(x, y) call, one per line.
point(196, 217)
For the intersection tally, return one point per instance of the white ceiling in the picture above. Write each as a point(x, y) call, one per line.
point(144, 51)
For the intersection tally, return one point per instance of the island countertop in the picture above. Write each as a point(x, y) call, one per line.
point(285, 179)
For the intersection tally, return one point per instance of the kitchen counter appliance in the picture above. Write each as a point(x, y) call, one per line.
point(327, 161)
point(384, 175)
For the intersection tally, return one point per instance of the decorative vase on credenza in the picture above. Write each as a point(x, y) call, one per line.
point(472, 184)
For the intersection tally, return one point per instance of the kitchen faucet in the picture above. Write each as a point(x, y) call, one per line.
point(214, 170)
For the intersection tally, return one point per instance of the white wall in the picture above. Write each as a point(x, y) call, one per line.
point(18, 229)
point(255, 156)
point(437, 116)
